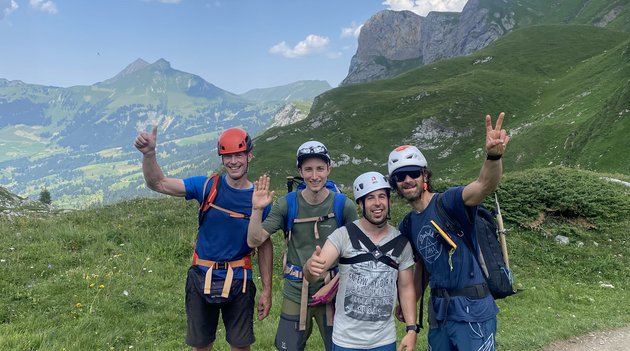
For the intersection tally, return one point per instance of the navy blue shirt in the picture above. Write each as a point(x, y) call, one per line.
point(434, 251)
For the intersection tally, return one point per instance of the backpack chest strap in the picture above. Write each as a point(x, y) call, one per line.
point(316, 220)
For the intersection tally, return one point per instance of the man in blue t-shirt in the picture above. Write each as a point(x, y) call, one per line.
point(462, 312)
point(220, 278)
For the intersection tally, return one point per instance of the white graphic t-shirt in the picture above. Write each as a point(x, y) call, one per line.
point(367, 294)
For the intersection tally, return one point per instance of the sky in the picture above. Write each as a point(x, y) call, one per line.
point(235, 45)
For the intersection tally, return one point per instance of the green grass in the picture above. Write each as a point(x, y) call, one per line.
point(563, 87)
point(113, 277)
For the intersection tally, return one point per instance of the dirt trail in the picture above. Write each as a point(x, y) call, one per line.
point(610, 340)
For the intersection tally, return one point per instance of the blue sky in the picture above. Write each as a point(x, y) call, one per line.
point(235, 45)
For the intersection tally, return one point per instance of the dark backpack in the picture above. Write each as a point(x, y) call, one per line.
point(490, 258)
point(376, 253)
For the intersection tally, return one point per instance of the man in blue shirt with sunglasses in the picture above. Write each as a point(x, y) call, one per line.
point(462, 312)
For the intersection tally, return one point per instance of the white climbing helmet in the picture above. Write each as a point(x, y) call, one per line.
point(312, 149)
point(405, 155)
point(367, 183)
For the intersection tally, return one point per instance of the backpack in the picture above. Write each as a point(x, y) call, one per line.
point(376, 253)
point(490, 259)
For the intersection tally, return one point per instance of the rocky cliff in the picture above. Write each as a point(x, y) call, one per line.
point(392, 42)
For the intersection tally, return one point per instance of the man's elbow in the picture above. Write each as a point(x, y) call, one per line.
point(254, 241)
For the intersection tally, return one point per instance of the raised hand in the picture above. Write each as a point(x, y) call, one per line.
point(316, 264)
point(146, 142)
point(262, 197)
point(496, 138)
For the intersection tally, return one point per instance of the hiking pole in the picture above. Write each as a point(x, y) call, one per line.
point(501, 233)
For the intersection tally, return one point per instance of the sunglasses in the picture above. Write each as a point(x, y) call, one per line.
point(400, 176)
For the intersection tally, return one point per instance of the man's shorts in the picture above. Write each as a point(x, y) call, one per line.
point(463, 336)
point(289, 337)
point(202, 311)
point(389, 347)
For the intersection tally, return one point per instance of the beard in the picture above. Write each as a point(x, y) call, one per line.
point(411, 194)
point(380, 223)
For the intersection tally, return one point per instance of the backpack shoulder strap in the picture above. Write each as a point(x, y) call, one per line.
point(208, 198)
point(292, 209)
point(400, 243)
point(451, 224)
point(339, 203)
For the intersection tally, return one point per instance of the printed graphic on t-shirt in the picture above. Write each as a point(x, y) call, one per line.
point(428, 245)
point(370, 292)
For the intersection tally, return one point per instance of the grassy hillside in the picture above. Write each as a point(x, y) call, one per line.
point(613, 14)
point(564, 90)
point(113, 277)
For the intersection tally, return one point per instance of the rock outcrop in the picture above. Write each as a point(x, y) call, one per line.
point(390, 39)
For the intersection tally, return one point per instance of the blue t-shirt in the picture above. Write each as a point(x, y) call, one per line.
point(222, 238)
point(434, 251)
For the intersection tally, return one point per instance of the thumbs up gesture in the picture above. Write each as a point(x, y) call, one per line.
point(316, 264)
point(145, 142)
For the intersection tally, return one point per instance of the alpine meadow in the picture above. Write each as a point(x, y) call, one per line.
point(112, 277)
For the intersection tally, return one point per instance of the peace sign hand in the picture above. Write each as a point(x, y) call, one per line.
point(496, 138)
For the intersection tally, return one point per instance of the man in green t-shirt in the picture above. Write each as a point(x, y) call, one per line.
point(311, 227)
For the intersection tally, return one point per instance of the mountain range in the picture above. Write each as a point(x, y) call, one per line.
point(392, 42)
point(76, 141)
point(565, 90)
point(558, 69)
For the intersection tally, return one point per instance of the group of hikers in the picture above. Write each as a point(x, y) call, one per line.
point(349, 275)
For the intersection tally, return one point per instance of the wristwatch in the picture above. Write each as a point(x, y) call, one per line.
point(414, 327)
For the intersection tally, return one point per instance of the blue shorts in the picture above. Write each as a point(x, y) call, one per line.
point(463, 336)
point(390, 347)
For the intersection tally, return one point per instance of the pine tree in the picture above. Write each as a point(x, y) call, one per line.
point(44, 197)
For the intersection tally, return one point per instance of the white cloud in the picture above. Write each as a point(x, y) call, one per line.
point(423, 7)
point(312, 44)
point(6, 7)
point(44, 5)
point(352, 31)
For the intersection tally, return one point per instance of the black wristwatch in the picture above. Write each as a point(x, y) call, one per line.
point(414, 327)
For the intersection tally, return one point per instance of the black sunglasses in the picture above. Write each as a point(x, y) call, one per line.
point(400, 176)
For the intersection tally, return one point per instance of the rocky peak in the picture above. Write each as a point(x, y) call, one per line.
point(161, 65)
point(133, 67)
point(391, 36)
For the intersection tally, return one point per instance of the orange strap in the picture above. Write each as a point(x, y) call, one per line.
point(230, 212)
point(212, 194)
point(244, 262)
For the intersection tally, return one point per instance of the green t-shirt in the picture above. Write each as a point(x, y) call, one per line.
point(303, 242)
